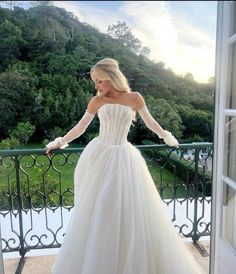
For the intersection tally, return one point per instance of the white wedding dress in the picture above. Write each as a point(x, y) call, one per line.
point(119, 223)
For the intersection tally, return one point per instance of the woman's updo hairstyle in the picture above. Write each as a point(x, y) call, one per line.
point(108, 69)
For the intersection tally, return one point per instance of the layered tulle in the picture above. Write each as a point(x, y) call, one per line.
point(119, 224)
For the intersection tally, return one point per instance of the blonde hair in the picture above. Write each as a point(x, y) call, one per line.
point(108, 69)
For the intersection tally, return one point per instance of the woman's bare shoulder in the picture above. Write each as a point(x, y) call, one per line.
point(94, 104)
point(138, 100)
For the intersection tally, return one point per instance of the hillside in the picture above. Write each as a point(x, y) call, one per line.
point(46, 54)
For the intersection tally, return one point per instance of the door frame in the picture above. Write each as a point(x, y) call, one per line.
point(221, 251)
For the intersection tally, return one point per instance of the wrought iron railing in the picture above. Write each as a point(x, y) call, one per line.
point(36, 192)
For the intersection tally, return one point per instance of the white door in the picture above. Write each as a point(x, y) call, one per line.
point(223, 240)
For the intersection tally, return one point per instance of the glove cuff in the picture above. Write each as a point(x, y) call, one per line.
point(169, 139)
point(58, 142)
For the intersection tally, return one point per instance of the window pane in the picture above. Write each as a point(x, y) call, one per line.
point(229, 215)
point(230, 148)
point(231, 91)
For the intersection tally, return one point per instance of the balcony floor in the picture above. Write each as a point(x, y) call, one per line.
point(43, 264)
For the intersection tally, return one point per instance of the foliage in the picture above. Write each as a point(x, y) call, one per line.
point(11, 41)
point(46, 55)
point(164, 114)
point(195, 119)
point(9, 143)
point(123, 34)
point(54, 132)
point(17, 100)
point(22, 132)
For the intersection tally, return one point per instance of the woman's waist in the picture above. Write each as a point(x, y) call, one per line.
point(112, 141)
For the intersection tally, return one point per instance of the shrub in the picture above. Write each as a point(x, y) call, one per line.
point(22, 132)
point(9, 143)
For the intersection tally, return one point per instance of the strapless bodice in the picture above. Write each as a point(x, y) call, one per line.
point(115, 121)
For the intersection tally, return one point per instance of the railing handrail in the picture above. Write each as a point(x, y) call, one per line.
point(41, 151)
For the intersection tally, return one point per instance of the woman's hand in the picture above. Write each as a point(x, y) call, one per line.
point(50, 148)
point(170, 140)
point(56, 144)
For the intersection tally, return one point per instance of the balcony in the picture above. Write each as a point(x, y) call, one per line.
point(36, 195)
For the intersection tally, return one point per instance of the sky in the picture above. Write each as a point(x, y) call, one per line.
point(181, 34)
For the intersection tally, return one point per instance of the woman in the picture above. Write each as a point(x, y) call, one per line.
point(119, 224)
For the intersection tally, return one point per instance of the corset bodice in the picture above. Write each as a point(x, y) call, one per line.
point(115, 121)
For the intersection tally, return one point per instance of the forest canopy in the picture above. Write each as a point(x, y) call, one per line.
point(46, 54)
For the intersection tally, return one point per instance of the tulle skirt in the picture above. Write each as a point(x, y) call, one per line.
point(119, 223)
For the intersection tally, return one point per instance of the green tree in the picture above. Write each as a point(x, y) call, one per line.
point(46, 55)
point(62, 64)
point(22, 132)
point(165, 115)
point(54, 132)
point(11, 41)
point(17, 100)
point(122, 33)
point(145, 51)
point(196, 122)
point(9, 143)
point(189, 76)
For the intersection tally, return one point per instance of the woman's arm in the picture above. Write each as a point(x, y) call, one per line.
point(77, 130)
point(152, 124)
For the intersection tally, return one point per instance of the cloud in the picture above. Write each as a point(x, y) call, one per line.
point(96, 17)
point(182, 47)
point(152, 24)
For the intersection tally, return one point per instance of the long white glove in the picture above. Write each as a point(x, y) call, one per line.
point(75, 132)
point(152, 124)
